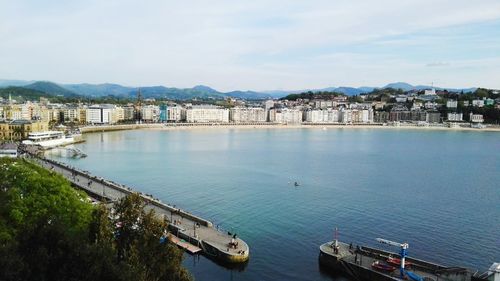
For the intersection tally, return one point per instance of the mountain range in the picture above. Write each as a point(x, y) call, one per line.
point(200, 91)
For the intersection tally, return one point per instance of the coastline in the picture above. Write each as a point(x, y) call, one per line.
point(193, 126)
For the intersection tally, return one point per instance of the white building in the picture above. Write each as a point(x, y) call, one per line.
point(322, 116)
point(285, 115)
point(431, 105)
point(451, 104)
point(207, 114)
point(357, 105)
point(455, 117)
point(175, 113)
point(476, 118)
point(268, 104)
point(150, 113)
point(71, 114)
point(100, 114)
point(345, 116)
point(478, 103)
point(431, 92)
point(30, 111)
point(119, 114)
point(401, 98)
point(247, 114)
point(323, 104)
point(128, 113)
point(366, 115)
point(417, 105)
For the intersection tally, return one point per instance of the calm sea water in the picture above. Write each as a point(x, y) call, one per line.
point(437, 190)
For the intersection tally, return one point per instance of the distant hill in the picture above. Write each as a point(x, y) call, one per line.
point(400, 85)
point(313, 95)
point(200, 91)
point(50, 88)
point(21, 93)
point(178, 94)
point(408, 87)
point(8, 83)
point(250, 95)
point(98, 90)
point(197, 92)
point(205, 89)
point(347, 90)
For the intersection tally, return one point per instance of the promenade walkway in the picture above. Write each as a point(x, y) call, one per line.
point(191, 228)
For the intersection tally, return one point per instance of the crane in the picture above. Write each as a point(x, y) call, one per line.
point(403, 253)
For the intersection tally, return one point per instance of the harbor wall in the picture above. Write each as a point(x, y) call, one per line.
point(114, 192)
point(215, 244)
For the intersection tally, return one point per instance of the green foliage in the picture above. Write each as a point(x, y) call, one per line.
point(312, 95)
point(387, 91)
point(49, 231)
point(137, 242)
point(482, 93)
point(490, 114)
point(50, 88)
point(32, 194)
point(356, 98)
point(21, 94)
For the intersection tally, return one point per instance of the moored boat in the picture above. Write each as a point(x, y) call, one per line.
point(377, 265)
point(397, 262)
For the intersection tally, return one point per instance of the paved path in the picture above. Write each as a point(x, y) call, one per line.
point(193, 229)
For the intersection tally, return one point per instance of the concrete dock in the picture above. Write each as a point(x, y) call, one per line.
point(356, 262)
point(192, 229)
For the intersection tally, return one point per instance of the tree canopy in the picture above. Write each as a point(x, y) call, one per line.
point(50, 231)
point(312, 95)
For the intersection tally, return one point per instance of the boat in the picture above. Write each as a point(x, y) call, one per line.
point(296, 184)
point(382, 267)
point(49, 139)
point(397, 262)
point(413, 276)
point(368, 264)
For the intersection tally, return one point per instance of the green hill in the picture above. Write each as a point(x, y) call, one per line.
point(21, 94)
point(50, 88)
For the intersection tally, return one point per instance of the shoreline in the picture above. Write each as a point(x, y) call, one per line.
point(191, 126)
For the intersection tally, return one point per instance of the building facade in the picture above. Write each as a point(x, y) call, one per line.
point(207, 114)
point(456, 117)
point(19, 129)
point(100, 114)
point(285, 115)
point(247, 114)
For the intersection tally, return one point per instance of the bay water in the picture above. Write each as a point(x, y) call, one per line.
point(438, 190)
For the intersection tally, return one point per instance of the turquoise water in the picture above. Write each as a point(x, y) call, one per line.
point(437, 190)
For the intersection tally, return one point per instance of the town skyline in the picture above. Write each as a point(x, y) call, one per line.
point(253, 46)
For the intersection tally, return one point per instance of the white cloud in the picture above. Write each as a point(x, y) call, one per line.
point(229, 44)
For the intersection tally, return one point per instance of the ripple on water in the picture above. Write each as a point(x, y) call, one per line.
point(436, 190)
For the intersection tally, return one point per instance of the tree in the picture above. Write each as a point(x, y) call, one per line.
point(50, 231)
point(138, 235)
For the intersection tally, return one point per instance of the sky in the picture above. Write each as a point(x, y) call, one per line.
point(252, 45)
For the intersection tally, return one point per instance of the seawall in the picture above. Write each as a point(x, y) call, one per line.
point(194, 229)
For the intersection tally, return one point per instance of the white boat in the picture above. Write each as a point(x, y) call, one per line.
point(48, 139)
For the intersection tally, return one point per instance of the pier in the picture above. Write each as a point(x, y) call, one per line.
point(191, 232)
point(357, 262)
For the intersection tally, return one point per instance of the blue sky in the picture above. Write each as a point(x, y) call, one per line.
point(258, 45)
